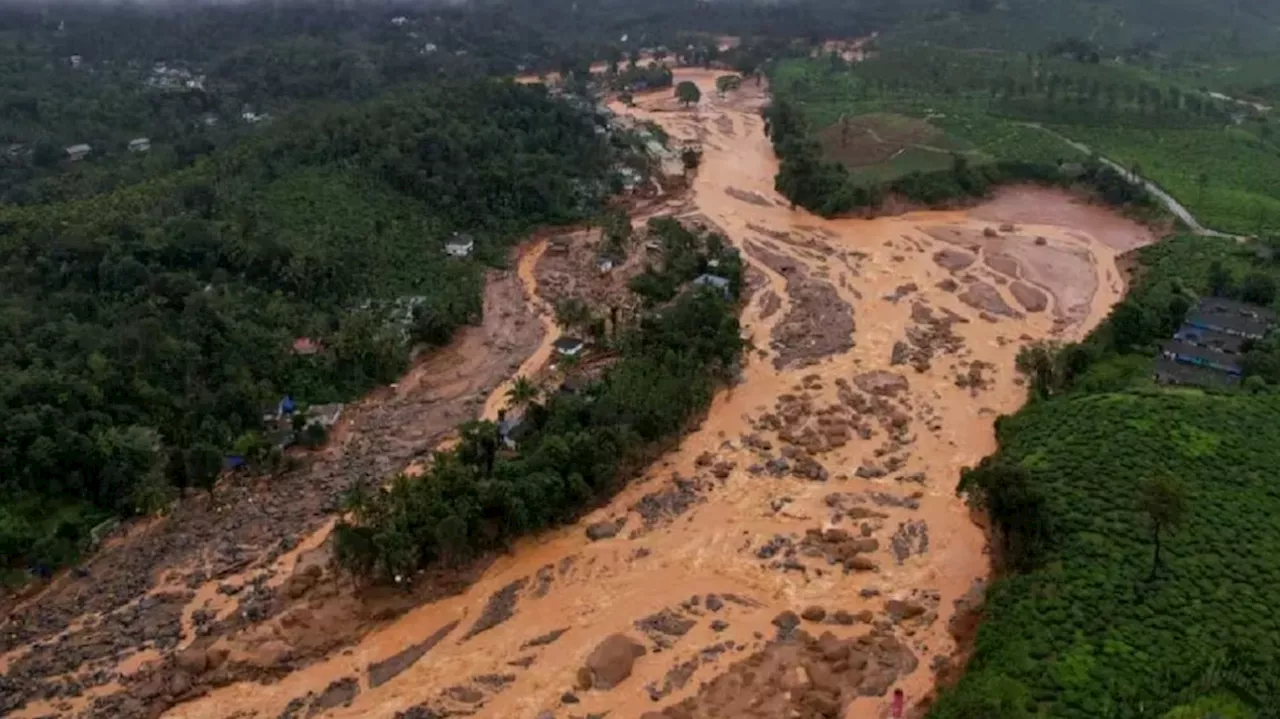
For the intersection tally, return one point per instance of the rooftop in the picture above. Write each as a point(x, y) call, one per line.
point(712, 280)
point(1173, 372)
point(306, 346)
point(1229, 321)
point(1222, 304)
point(1221, 341)
point(1190, 352)
point(568, 344)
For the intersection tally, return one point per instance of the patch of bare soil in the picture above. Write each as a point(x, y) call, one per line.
point(1031, 299)
point(983, 296)
point(800, 676)
point(770, 303)
point(217, 567)
point(571, 267)
point(1031, 204)
point(819, 322)
point(953, 260)
point(1003, 264)
point(1065, 267)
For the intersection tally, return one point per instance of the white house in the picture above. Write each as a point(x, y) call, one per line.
point(399, 20)
point(75, 153)
point(460, 246)
point(139, 144)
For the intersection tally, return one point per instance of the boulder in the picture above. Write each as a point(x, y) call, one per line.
point(813, 613)
point(611, 661)
point(881, 382)
point(786, 621)
point(180, 684)
point(900, 610)
point(860, 564)
point(605, 530)
point(192, 660)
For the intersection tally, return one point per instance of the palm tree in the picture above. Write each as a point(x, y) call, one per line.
point(568, 365)
point(572, 313)
point(522, 393)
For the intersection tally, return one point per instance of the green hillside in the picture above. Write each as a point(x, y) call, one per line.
point(1218, 158)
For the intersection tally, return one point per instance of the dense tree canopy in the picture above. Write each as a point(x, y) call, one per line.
point(143, 332)
point(576, 447)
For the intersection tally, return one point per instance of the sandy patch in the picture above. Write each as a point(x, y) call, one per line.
point(1031, 299)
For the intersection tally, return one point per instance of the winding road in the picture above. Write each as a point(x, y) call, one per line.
point(1177, 208)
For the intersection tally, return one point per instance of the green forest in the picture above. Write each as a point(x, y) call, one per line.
point(144, 331)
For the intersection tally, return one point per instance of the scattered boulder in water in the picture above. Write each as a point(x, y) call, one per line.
point(881, 382)
point(813, 613)
point(610, 663)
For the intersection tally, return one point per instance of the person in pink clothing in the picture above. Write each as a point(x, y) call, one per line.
point(898, 700)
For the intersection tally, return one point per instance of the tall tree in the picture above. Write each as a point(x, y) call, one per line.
point(573, 314)
point(1018, 509)
point(522, 393)
point(688, 93)
point(1164, 502)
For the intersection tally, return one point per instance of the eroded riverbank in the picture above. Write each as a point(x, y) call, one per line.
point(818, 492)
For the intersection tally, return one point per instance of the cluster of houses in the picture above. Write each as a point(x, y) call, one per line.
point(460, 245)
point(170, 79)
point(1207, 349)
point(78, 152)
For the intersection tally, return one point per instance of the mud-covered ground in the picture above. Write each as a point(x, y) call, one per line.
point(800, 554)
point(217, 567)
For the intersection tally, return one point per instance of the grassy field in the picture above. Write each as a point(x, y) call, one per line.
point(882, 146)
point(896, 133)
point(906, 112)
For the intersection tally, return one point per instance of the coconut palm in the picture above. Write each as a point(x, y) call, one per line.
point(522, 393)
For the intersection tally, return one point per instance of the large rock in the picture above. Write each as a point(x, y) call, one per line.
point(1031, 299)
point(881, 382)
point(605, 530)
point(192, 661)
point(611, 661)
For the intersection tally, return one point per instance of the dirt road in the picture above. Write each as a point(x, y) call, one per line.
point(1169, 201)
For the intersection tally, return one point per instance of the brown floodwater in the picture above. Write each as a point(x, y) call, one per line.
point(593, 589)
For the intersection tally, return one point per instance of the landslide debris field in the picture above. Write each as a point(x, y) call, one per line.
point(800, 553)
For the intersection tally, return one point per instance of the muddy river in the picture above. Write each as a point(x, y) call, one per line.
point(822, 484)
